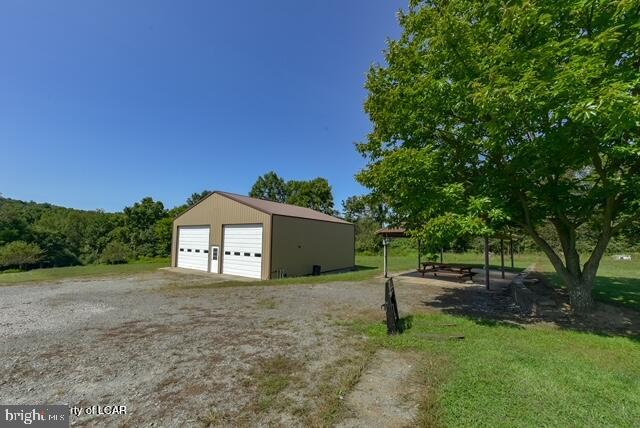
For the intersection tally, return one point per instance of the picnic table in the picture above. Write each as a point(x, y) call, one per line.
point(459, 271)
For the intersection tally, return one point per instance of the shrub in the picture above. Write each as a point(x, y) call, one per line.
point(115, 252)
point(20, 253)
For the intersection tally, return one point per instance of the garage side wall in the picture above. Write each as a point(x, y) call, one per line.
point(216, 211)
point(298, 244)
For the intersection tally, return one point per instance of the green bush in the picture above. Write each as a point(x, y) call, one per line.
point(115, 252)
point(20, 253)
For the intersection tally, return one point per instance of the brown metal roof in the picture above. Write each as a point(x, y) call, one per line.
point(276, 208)
point(394, 232)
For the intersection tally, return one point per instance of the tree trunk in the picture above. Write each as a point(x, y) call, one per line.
point(580, 296)
point(578, 279)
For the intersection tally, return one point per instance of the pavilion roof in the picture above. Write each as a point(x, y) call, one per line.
point(392, 232)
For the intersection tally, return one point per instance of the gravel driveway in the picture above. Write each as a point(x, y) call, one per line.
point(177, 352)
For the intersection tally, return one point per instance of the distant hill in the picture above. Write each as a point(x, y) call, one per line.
point(69, 236)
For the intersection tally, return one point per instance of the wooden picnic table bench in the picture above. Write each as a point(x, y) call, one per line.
point(460, 271)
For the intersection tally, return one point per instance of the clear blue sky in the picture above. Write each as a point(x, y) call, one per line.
point(105, 102)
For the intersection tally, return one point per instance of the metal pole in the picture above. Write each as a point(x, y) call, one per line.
point(502, 257)
point(486, 262)
point(511, 251)
point(384, 245)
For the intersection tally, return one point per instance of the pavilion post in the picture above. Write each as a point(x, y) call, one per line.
point(502, 257)
point(511, 251)
point(486, 262)
point(384, 246)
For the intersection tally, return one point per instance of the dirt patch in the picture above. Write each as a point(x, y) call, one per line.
point(388, 393)
point(605, 318)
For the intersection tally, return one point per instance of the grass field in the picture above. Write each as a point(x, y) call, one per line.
point(504, 376)
point(57, 274)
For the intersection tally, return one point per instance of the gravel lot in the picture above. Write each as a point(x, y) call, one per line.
point(179, 353)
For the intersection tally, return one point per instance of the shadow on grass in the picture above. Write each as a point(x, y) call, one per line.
point(358, 268)
point(497, 323)
point(618, 290)
point(499, 309)
point(623, 291)
point(405, 323)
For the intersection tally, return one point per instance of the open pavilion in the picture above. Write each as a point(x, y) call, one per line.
point(389, 233)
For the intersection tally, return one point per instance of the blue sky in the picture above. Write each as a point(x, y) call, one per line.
point(105, 102)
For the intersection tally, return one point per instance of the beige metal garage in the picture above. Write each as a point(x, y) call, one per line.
point(238, 235)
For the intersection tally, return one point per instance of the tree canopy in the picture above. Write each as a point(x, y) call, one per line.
point(20, 253)
point(271, 187)
point(315, 194)
point(197, 197)
point(494, 113)
point(368, 214)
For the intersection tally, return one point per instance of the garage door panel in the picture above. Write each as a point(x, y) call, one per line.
point(193, 247)
point(243, 261)
point(241, 244)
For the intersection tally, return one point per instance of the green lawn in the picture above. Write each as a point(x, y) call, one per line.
point(618, 281)
point(503, 376)
point(56, 274)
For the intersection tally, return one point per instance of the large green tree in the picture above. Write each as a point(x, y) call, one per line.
point(271, 187)
point(139, 230)
point(525, 113)
point(365, 206)
point(315, 194)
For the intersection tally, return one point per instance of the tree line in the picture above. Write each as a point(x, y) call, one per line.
point(45, 235)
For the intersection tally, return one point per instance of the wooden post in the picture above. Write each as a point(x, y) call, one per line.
point(486, 262)
point(391, 308)
point(384, 246)
point(502, 257)
point(511, 251)
point(419, 256)
point(441, 251)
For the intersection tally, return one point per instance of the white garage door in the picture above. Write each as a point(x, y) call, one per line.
point(193, 247)
point(242, 248)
